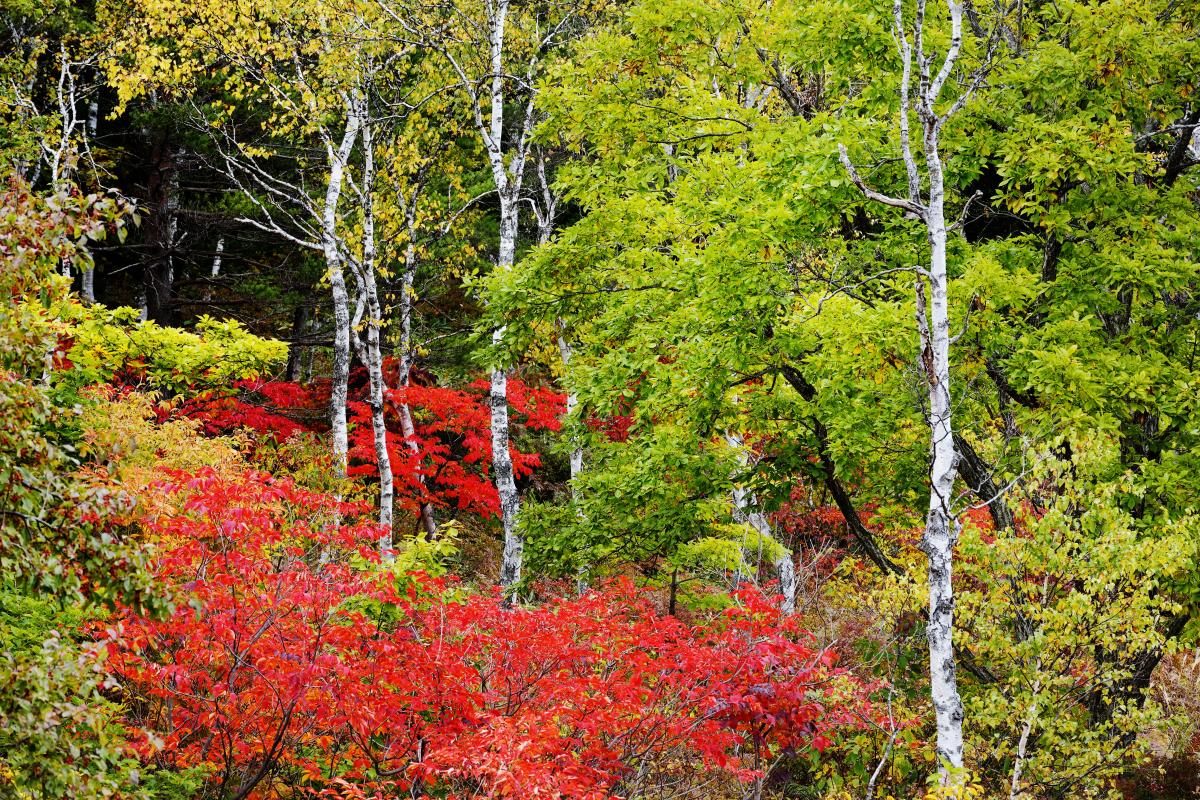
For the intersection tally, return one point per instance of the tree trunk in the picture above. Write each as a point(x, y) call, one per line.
point(933, 323)
point(374, 349)
point(941, 527)
point(295, 350)
point(158, 270)
point(502, 465)
point(564, 349)
point(215, 271)
point(88, 284)
point(407, 296)
point(746, 512)
point(341, 300)
point(786, 570)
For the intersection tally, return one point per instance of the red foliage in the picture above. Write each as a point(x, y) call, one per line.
point(818, 524)
point(450, 466)
point(273, 409)
point(616, 427)
point(454, 446)
point(297, 661)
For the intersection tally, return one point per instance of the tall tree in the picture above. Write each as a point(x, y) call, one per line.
point(933, 323)
point(494, 53)
point(320, 73)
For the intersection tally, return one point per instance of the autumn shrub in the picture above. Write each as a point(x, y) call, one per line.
point(126, 429)
point(65, 544)
point(1059, 612)
point(296, 661)
point(446, 463)
point(106, 344)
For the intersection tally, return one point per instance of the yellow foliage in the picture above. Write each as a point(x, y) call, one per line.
point(124, 428)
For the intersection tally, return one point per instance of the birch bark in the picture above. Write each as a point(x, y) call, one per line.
point(407, 297)
point(502, 464)
point(338, 158)
point(747, 512)
point(374, 323)
point(933, 323)
point(508, 185)
point(505, 126)
point(545, 209)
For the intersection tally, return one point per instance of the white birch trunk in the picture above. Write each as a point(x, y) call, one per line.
point(486, 94)
point(564, 350)
point(407, 297)
point(933, 321)
point(166, 289)
point(338, 159)
point(546, 213)
point(1031, 716)
point(508, 186)
point(747, 512)
point(215, 271)
point(941, 526)
point(87, 286)
point(374, 347)
point(502, 464)
point(786, 570)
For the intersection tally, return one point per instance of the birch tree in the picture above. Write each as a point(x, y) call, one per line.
point(493, 51)
point(409, 198)
point(315, 73)
point(48, 124)
point(925, 201)
point(746, 511)
point(365, 272)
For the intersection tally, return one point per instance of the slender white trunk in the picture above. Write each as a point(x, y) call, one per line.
point(310, 356)
point(1031, 716)
point(502, 470)
point(360, 310)
point(564, 349)
point(61, 156)
point(507, 179)
point(215, 271)
point(508, 169)
point(374, 348)
point(502, 464)
point(88, 286)
point(933, 322)
point(166, 289)
point(941, 525)
point(786, 570)
point(338, 159)
point(747, 512)
point(407, 296)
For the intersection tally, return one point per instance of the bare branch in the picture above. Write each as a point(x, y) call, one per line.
point(896, 202)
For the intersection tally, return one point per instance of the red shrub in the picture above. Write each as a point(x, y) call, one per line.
point(295, 660)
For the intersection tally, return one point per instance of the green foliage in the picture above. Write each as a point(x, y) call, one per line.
point(59, 735)
point(1061, 610)
point(721, 245)
point(719, 274)
point(55, 532)
point(111, 343)
point(61, 536)
point(734, 549)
